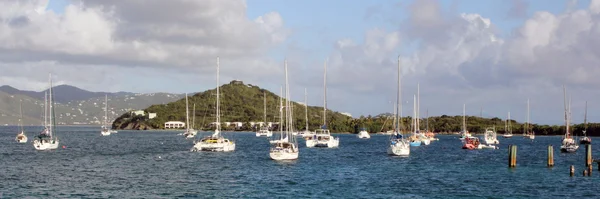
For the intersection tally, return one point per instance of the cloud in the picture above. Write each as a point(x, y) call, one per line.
point(460, 58)
point(178, 36)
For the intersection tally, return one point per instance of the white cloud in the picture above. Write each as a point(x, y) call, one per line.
point(178, 36)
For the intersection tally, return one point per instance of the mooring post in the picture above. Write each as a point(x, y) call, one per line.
point(572, 170)
point(550, 156)
point(590, 170)
point(510, 155)
point(588, 155)
point(514, 156)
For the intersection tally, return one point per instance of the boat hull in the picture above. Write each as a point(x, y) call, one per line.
point(363, 135)
point(585, 140)
point(569, 149)
point(415, 143)
point(269, 134)
point(216, 147)
point(425, 141)
point(507, 136)
point(280, 155)
point(105, 133)
point(399, 148)
point(21, 138)
point(332, 143)
point(45, 145)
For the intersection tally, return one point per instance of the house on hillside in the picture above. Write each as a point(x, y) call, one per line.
point(174, 125)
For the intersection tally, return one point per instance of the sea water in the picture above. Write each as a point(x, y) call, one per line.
point(158, 164)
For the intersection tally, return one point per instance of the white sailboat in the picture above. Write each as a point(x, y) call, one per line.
point(528, 132)
point(47, 140)
point(420, 135)
point(106, 131)
point(508, 132)
point(216, 141)
point(464, 133)
point(264, 129)
point(286, 148)
point(306, 132)
point(190, 132)
point(585, 139)
point(323, 137)
point(568, 144)
point(398, 145)
point(21, 137)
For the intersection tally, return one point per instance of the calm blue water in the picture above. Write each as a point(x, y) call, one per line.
point(156, 164)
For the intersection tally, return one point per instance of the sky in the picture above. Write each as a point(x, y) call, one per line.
point(492, 56)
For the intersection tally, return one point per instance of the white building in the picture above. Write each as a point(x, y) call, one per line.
point(151, 115)
point(237, 124)
point(138, 112)
point(346, 114)
point(174, 124)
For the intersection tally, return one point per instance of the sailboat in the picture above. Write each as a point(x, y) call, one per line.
point(216, 141)
point(46, 140)
point(264, 129)
point(420, 135)
point(189, 132)
point(106, 131)
point(428, 132)
point(508, 132)
point(415, 139)
point(306, 133)
point(21, 137)
point(398, 145)
point(464, 133)
point(323, 137)
point(568, 144)
point(286, 148)
point(528, 132)
point(585, 139)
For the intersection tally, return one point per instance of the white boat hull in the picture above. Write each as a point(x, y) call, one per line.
point(425, 141)
point(217, 147)
point(363, 135)
point(331, 143)
point(21, 138)
point(281, 155)
point(264, 134)
point(42, 146)
point(491, 141)
point(399, 148)
point(507, 136)
point(105, 133)
point(311, 143)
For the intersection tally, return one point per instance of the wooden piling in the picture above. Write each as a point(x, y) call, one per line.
point(588, 155)
point(550, 156)
point(510, 155)
point(590, 170)
point(572, 170)
point(513, 154)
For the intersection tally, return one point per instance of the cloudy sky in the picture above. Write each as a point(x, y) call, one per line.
point(490, 55)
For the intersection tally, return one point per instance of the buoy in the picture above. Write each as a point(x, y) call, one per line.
point(64, 147)
point(572, 170)
point(159, 157)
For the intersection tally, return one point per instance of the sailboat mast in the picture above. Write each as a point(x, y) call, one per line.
point(566, 116)
point(398, 108)
point(187, 113)
point(306, 108)
point(281, 111)
point(106, 110)
point(415, 119)
point(265, 107)
point(325, 95)
point(45, 109)
point(218, 102)
point(418, 115)
point(585, 117)
point(464, 119)
point(21, 111)
point(527, 131)
point(194, 116)
point(509, 123)
point(50, 112)
point(287, 103)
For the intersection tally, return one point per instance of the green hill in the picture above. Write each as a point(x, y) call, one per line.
point(239, 103)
